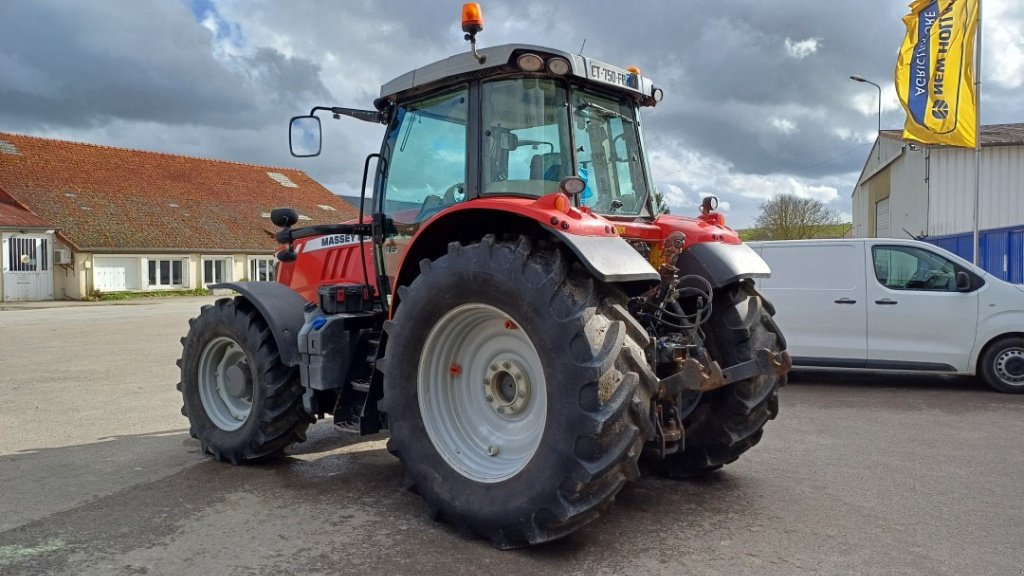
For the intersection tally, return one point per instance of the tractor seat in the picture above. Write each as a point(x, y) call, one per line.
point(546, 167)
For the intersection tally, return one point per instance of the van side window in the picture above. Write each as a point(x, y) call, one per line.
point(910, 268)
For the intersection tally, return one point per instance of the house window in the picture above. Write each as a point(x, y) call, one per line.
point(216, 270)
point(261, 269)
point(166, 273)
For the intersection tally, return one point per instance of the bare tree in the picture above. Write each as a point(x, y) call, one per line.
point(788, 217)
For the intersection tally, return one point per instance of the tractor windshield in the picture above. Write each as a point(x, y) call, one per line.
point(536, 133)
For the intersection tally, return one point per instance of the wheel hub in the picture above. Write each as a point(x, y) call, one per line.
point(1010, 366)
point(481, 392)
point(225, 383)
point(237, 382)
point(506, 387)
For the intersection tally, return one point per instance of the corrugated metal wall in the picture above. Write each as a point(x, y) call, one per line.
point(951, 202)
point(908, 199)
point(1001, 250)
point(902, 181)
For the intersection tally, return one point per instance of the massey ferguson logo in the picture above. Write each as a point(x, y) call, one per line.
point(331, 241)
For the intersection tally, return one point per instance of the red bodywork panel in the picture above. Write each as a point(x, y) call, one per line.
point(336, 259)
point(319, 264)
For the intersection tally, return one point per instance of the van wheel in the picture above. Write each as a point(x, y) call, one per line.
point(1002, 365)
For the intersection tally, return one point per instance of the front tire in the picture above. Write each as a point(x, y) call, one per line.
point(243, 404)
point(730, 420)
point(495, 326)
point(1002, 365)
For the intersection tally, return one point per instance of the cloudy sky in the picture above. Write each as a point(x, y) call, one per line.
point(758, 100)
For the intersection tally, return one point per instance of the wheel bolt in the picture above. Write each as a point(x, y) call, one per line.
point(494, 367)
point(490, 398)
point(501, 410)
point(492, 450)
point(506, 365)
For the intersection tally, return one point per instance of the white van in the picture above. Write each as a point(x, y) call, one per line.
point(891, 304)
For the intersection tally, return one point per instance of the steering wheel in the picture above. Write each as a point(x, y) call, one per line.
point(455, 193)
point(920, 279)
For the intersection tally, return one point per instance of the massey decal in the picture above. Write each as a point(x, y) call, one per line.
point(331, 241)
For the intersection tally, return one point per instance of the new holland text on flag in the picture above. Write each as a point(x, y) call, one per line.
point(935, 72)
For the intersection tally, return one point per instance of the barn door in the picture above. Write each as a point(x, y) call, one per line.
point(27, 268)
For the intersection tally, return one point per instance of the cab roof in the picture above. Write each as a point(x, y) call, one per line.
point(499, 58)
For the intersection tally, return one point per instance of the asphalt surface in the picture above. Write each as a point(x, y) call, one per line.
point(860, 474)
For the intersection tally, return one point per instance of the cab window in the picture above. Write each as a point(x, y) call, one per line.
point(426, 160)
point(526, 149)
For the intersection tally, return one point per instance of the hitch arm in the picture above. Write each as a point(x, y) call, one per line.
point(696, 377)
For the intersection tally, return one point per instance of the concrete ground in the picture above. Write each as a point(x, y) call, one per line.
point(858, 475)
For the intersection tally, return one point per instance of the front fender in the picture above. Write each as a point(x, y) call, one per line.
point(722, 264)
point(281, 307)
point(1005, 323)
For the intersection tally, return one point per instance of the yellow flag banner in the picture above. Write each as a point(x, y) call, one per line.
point(935, 72)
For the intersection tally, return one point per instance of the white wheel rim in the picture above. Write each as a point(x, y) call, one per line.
point(225, 383)
point(1009, 366)
point(482, 394)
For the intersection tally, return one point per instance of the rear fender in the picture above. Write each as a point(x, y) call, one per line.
point(722, 264)
point(281, 307)
point(606, 255)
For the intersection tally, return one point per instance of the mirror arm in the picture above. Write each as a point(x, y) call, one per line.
point(374, 116)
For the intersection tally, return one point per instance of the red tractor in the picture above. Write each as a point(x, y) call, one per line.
point(513, 308)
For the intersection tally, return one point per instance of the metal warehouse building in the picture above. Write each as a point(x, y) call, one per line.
point(928, 192)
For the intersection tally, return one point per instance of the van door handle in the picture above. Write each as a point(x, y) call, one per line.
point(886, 301)
point(846, 301)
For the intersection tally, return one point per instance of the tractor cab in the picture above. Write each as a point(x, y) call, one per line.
point(516, 126)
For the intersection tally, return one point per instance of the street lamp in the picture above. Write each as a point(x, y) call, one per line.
point(859, 78)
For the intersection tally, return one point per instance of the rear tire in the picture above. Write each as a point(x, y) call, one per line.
point(730, 420)
point(476, 320)
point(243, 404)
point(1002, 365)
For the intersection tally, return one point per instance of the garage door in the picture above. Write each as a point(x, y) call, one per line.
point(116, 274)
point(882, 228)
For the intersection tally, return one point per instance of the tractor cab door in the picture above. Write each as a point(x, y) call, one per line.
point(423, 170)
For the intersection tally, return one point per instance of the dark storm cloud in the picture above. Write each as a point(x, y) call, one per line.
point(75, 64)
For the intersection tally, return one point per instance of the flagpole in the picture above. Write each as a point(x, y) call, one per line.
point(977, 138)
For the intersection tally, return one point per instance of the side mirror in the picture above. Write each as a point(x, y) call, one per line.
point(304, 136)
point(963, 281)
point(284, 217)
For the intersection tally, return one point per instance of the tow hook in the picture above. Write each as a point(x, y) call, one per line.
point(694, 376)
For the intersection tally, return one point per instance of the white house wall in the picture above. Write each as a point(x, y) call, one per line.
point(951, 206)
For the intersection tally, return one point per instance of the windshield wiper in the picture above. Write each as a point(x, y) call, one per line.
point(603, 111)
